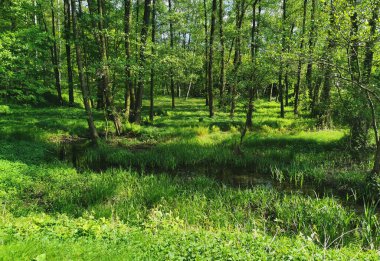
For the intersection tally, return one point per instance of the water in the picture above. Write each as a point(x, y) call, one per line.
point(74, 153)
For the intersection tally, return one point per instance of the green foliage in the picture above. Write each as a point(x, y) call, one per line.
point(4, 109)
point(104, 208)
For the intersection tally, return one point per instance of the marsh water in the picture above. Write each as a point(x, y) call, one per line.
point(74, 154)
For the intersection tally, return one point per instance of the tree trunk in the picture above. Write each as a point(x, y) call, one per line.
point(171, 47)
point(297, 87)
point(299, 69)
point(367, 71)
point(309, 70)
point(93, 133)
point(152, 74)
point(376, 166)
point(127, 44)
point(110, 108)
point(206, 50)
point(210, 62)
point(240, 11)
point(133, 89)
point(93, 9)
point(360, 122)
point(251, 92)
point(222, 79)
point(324, 114)
point(286, 78)
point(140, 85)
point(67, 26)
point(56, 65)
point(283, 44)
point(316, 94)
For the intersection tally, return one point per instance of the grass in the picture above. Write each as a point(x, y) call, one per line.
point(112, 207)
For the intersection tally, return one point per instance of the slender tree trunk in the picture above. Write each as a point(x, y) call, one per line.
point(143, 39)
point(360, 123)
point(152, 71)
point(93, 133)
point(367, 72)
point(240, 12)
point(133, 89)
point(251, 92)
point(376, 166)
point(309, 70)
point(171, 47)
point(206, 50)
point(283, 44)
point(324, 115)
point(286, 78)
point(210, 62)
point(287, 84)
point(110, 108)
point(100, 94)
point(222, 79)
point(85, 55)
point(67, 35)
point(127, 44)
point(56, 65)
point(297, 87)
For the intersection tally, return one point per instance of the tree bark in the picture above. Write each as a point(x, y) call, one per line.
point(376, 166)
point(367, 72)
point(254, 31)
point(143, 39)
point(206, 49)
point(240, 12)
point(210, 62)
point(309, 70)
point(56, 65)
point(171, 47)
point(152, 71)
point(90, 120)
point(297, 87)
point(360, 122)
point(67, 35)
point(110, 108)
point(93, 9)
point(286, 78)
point(222, 79)
point(127, 45)
point(283, 44)
point(324, 114)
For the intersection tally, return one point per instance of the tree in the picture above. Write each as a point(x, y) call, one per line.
point(324, 114)
point(127, 45)
point(254, 48)
point(297, 87)
point(283, 48)
point(110, 108)
point(311, 43)
point(359, 123)
point(76, 34)
point(210, 61)
point(171, 47)
point(240, 8)
point(55, 56)
point(222, 77)
point(143, 39)
point(152, 71)
point(67, 35)
point(367, 73)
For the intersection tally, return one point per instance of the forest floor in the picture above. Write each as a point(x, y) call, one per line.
point(181, 188)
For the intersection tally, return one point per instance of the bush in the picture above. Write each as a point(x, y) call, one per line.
point(4, 110)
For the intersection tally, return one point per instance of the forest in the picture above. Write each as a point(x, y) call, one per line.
point(189, 130)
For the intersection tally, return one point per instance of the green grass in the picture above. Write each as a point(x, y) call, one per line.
point(50, 210)
point(109, 208)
